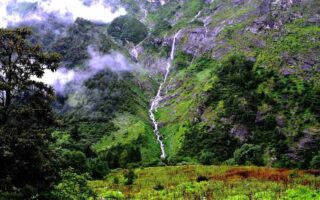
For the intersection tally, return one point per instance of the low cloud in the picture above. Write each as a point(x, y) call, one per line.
point(18, 11)
point(114, 61)
point(63, 78)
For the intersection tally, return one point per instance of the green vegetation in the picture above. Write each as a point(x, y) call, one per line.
point(248, 154)
point(232, 108)
point(256, 103)
point(127, 28)
point(72, 187)
point(223, 182)
point(25, 118)
point(75, 53)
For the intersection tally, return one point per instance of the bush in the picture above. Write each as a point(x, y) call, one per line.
point(182, 60)
point(207, 157)
point(74, 159)
point(130, 177)
point(236, 70)
point(315, 162)
point(98, 168)
point(72, 186)
point(116, 180)
point(158, 187)
point(249, 154)
point(302, 193)
point(161, 26)
point(211, 144)
point(116, 195)
point(128, 28)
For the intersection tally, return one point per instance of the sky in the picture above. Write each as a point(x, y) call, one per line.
point(15, 11)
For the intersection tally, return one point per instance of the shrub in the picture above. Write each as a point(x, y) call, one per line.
point(158, 187)
point(116, 195)
point(128, 28)
point(74, 159)
point(98, 168)
point(248, 154)
point(72, 186)
point(130, 177)
point(161, 26)
point(302, 193)
point(182, 60)
point(207, 157)
point(116, 180)
point(315, 162)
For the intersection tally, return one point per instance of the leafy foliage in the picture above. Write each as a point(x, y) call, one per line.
point(72, 187)
point(315, 162)
point(130, 177)
point(220, 182)
point(128, 28)
point(261, 115)
point(248, 154)
point(27, 164)
point(73, 46)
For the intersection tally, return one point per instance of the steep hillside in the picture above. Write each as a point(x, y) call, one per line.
point(243, 83)
point(106, 108)
point(209, 113)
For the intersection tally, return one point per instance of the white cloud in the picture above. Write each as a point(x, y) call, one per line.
point(98, 62)
point(114, 61)
point(97, 10)
point(57, 79)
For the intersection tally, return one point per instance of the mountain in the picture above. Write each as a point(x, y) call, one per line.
point(185, 82)
point(271, 105)
point(207, 110)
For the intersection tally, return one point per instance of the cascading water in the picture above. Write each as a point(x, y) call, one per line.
point(135, 52)
point(195, 17)
point(158, 98)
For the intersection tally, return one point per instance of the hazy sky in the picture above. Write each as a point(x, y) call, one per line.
point(17, 11)
point(14, 11)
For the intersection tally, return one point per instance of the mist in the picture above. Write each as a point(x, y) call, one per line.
point(29, 12)
point(65, 78)
point(13, 12)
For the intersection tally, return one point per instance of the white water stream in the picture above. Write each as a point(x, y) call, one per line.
point(195, 17)
point(158, 98)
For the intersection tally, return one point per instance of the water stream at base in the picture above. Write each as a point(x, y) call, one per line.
point(158, 98)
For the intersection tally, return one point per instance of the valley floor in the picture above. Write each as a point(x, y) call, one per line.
point(211, 182)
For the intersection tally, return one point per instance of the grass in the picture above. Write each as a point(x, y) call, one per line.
point(130, 130)
point(224, 182)
point(179, 111)
point(298, 40)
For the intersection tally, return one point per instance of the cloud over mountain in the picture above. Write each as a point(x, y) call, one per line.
point(17, 11)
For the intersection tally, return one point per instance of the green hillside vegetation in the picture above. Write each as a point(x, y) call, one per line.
point(228, 100)
point(239, 114)
point(128, 28)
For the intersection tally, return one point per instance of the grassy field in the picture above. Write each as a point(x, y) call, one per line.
point(223, 182)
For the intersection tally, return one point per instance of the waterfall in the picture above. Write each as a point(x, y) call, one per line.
point(206, 22)
point(158, 98)
point(145, 13)
point(195, 17)
point(135, 53)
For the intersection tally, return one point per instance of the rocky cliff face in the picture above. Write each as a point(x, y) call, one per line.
point(280, 36)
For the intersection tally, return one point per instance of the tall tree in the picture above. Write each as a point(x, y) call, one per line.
point(25, 115)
